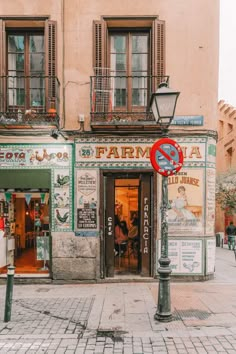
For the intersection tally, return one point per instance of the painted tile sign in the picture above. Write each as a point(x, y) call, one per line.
point(125, 152)
point(210, 200)
point(16, 156)
point(61, 198)
point(185, 256)
point(86, 200)
point(211, 255)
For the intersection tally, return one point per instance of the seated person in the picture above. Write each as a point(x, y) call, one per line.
point(121, 236)
point(133, 234)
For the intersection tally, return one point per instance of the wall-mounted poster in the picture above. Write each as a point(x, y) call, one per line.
point(185, 193)
point(191, 256)
point(211, 255)
point(210, 200)
point(87, 200)
point(185, 256)
point(174, 255)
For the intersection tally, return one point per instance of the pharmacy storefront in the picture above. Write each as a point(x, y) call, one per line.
point(118, 197)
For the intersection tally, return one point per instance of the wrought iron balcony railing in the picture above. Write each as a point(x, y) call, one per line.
point(29, 100)
point(122, 98)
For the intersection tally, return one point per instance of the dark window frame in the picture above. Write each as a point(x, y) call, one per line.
point(128, 33)
point(33, 25)
point(101, 29)
point(27, 32)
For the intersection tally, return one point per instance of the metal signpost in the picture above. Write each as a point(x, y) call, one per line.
point(9, 293)
point(167, 159)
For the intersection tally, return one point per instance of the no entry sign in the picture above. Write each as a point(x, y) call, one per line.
point(166, 157)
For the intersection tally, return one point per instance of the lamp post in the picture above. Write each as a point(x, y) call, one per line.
point(163, 103)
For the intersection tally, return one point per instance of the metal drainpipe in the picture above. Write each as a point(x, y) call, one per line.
point(63, 61)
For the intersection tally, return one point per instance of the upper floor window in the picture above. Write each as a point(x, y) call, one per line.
point(28, 81)
point(229, 157)
point(26, 69)
point(221, 129)
point(129, 63)
point(229, 127)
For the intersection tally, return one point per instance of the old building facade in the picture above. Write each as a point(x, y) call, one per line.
point(226, 160)
point(76, 132)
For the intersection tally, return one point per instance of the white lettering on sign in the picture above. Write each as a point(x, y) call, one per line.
point(146, 225)
point(109, 226)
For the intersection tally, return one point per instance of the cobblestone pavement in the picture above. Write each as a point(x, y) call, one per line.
point(119, 317)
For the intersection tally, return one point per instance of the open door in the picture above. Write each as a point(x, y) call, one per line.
point(109, 226)
point(127, 219)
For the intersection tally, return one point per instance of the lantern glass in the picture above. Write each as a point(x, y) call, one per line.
point(163, 103)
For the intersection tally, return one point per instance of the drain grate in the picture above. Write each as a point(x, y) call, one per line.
point(192, 314)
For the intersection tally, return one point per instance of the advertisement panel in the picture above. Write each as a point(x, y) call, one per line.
point(87, 200)
point(210, 200)
point(185, 193)
point(210, 255)
point(185, 256)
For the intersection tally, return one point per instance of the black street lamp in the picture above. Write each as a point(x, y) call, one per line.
point(163, 103)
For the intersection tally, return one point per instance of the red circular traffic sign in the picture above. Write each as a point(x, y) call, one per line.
point(166, 157)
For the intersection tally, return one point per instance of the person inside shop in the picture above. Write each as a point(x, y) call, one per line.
point(134, 239)
point(231, 232)
point(121, 236)
point(133, 234)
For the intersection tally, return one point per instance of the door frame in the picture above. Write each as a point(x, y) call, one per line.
point(127, 173)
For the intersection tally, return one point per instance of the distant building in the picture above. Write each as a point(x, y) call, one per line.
point(226, 155)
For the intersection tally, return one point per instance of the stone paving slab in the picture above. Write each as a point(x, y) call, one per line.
point(42, 317)
point(119, 318)
point(132, 345)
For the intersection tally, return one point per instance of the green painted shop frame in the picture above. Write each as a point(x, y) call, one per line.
point(37, 166)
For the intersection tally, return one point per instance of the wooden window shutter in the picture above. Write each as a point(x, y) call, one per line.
point(2, 66)
point(99, 46)
point(158, 51)
point(51, 61)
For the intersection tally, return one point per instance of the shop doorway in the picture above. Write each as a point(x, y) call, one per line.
point(128, 219)
point(25, 231)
